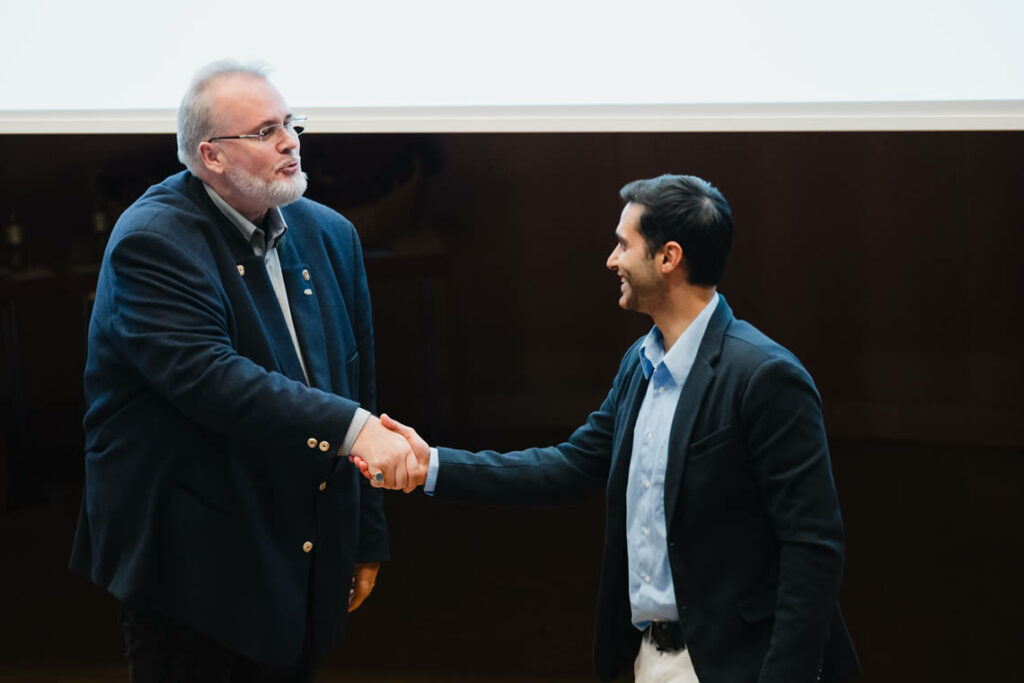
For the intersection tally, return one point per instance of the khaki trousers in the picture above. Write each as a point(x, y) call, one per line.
point(655, 666)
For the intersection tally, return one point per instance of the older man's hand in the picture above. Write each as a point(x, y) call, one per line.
point(417, 461)
point(385, 455)
point(363, 579)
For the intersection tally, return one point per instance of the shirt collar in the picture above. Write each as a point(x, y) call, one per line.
point(273, 223)
point(680, 357)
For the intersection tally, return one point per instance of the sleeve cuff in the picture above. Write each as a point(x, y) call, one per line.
point(354, 427)
point(431, 483)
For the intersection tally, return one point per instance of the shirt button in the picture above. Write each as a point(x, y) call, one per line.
point(311, 442)
point(650, 436)
point(324, 446)
point(646, 532)
point(322, 486)
point(308, 292)
point(661, 390)
point(647, 484)
point(646, 578)
point(307, 546)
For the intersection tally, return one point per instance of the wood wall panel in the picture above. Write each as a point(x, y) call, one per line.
point(889, 262)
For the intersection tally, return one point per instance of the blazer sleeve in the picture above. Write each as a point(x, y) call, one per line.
point(539, 475)
point(786, 441)
point(170, 321)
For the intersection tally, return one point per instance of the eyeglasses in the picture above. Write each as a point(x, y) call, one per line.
point(295, 126)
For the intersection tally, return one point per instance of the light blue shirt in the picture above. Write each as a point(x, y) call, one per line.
point(651, 591)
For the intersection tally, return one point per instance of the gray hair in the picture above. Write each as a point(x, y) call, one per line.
point(196, 118)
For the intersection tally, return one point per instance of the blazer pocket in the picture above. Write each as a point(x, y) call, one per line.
point(715, 438)
point(188, 506)
point(757, 607)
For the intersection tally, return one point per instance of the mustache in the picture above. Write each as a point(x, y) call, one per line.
point(292, 159)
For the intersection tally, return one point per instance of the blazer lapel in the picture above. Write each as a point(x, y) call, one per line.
point(690, 401)
point(254, 274)
point(309, 327)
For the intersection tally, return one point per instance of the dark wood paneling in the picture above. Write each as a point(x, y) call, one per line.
point(889, 262)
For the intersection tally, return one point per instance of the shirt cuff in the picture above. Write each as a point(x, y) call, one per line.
point(354, 427)
point(431, 483)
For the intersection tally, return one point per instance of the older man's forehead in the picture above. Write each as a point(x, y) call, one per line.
point(242, 86)
point(249, 99)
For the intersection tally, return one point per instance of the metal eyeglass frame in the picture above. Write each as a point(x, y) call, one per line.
point(296, 125)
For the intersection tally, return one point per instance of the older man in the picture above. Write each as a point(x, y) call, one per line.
point(230, 364)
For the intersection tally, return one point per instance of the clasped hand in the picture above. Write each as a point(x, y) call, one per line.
point(391, 455)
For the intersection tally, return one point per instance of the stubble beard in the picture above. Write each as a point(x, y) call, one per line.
point(641, 294)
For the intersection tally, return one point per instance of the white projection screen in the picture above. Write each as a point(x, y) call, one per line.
point(527, 65)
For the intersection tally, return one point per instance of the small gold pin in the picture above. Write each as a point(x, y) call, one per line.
point(305, 274)
point(308, 292)
point(241, 269)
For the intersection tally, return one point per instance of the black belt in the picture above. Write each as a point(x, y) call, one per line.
point(666, 635)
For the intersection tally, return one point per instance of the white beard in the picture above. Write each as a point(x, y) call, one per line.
point(268, 192)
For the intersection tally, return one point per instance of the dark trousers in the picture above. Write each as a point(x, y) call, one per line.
point(160, 651)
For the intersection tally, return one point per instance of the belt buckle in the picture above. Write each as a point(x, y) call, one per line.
point(666, 636)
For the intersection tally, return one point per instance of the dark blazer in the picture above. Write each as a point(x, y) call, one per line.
point(205, 448)
point(755, 538)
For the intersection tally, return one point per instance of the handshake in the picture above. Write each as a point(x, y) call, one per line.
point(391, 455)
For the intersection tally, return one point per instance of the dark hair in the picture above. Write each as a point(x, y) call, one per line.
point(688, 210)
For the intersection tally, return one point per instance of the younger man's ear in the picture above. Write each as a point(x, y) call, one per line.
point(671, 257)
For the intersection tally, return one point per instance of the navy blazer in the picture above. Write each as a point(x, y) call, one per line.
point(205, 448)
point(755, 537)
